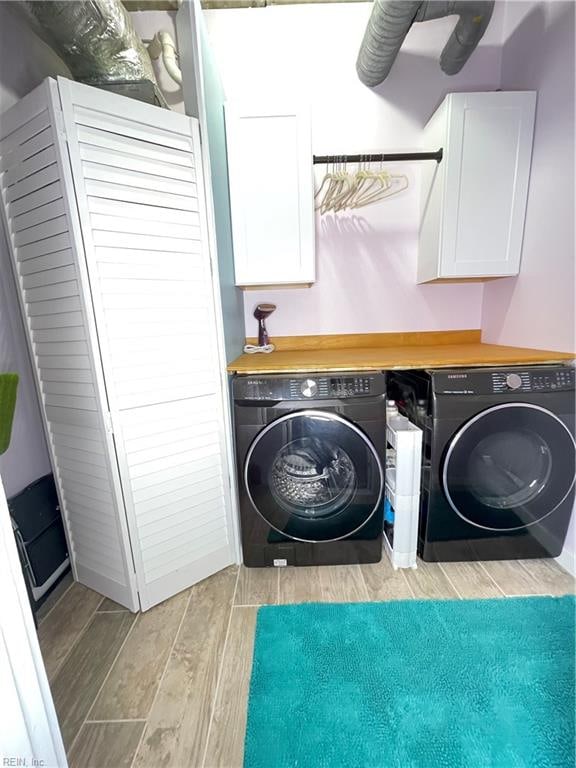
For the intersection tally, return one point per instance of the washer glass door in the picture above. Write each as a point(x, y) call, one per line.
point(314, 476)
point(509, 467)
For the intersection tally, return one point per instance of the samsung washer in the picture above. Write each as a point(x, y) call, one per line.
point(310, 458)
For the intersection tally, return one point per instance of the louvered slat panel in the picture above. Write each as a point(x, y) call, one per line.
point(169, 544)
point(140, 195)
point(49, 277)
point(161, 462)
point(93, 457)
point(22, 151)
point(49, 245)
point(56, 362)
point(54, 307)
point(66, 375)
point(89, 481)
point(32, 183)
point(37, 162)
point(132, 129)
point(18, 131)
point(173, 528)
point(162, 167)
point(180, 470)
point(157, 456)
point(67, 333)
point(41, 231)
point(40, 224)
point(182, 269)
point(131, 178)
point(44, 212)
point(116, 141)
point(57, 320)
point(143, 227)
point(179, 515)
point(127, 373)
point(68, 401)
point(36, 199)
point(159, 489)
point(124, 194)
point(49, 261)
point(83, 533)
point(166, 436)
point(78, 389)
point(99, 205)
point(92, 435)
point(181, 508)
point(165, 563)
point(91, 469)
point(164, 418)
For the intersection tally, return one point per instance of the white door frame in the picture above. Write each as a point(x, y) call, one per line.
point(29, 729)
point(188, 19)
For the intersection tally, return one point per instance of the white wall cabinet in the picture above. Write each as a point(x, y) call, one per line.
point(271, 194)
point(104, 208)
point(474, 201)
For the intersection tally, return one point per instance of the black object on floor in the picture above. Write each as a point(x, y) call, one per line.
point(39, 531)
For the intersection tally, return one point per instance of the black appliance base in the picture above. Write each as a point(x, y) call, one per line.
point(347, 552)
point(519, 547)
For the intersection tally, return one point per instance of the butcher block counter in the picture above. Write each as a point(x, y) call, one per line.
point(388, 351)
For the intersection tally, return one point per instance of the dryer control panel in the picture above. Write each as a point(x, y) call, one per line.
point(487, 381)
point(309, 386)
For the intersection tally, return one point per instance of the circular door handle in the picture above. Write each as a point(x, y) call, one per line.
point(309, 388)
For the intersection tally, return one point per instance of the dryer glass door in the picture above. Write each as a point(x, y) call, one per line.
point(509, 467)
point(314, 476)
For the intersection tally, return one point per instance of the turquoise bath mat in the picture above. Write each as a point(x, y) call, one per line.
point(414, 684)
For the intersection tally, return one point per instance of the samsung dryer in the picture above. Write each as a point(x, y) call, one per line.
point(499, 459)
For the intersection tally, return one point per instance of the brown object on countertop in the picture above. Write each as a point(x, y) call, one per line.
point(387, 351)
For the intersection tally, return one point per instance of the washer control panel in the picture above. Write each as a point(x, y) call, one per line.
point(488, 381)
point(308, 386)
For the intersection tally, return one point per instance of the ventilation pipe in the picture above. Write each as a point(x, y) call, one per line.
point(95, 39)
point(391, 20)
point(163, 45)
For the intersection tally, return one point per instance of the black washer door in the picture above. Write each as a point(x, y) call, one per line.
point(314, 476)
point(509, 467)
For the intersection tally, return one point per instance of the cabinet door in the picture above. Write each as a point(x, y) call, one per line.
point(271, 193)
point(139, 189)
point(47, 255)
point(487, 156)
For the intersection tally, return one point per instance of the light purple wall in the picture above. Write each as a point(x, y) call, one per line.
point(366, 260)
point(537, 308)
point(24, 62)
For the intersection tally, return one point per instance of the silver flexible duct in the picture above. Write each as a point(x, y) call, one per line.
point(389, 24)
point(95, 38)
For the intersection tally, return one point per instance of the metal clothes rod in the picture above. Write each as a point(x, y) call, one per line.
point(387, 158)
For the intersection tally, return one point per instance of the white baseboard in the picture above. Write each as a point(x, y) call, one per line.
point(567, 560)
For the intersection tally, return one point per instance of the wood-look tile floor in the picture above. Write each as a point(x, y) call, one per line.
point(169, 687)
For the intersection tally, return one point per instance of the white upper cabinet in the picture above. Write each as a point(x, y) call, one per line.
point(271, 194)
point(474, 201)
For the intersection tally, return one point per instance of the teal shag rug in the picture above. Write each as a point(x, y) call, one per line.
point(414, 684)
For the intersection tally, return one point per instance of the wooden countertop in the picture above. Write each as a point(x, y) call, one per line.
point(373, 352)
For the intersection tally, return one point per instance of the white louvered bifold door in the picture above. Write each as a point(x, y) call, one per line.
point(138, 181)
point(44, 237)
